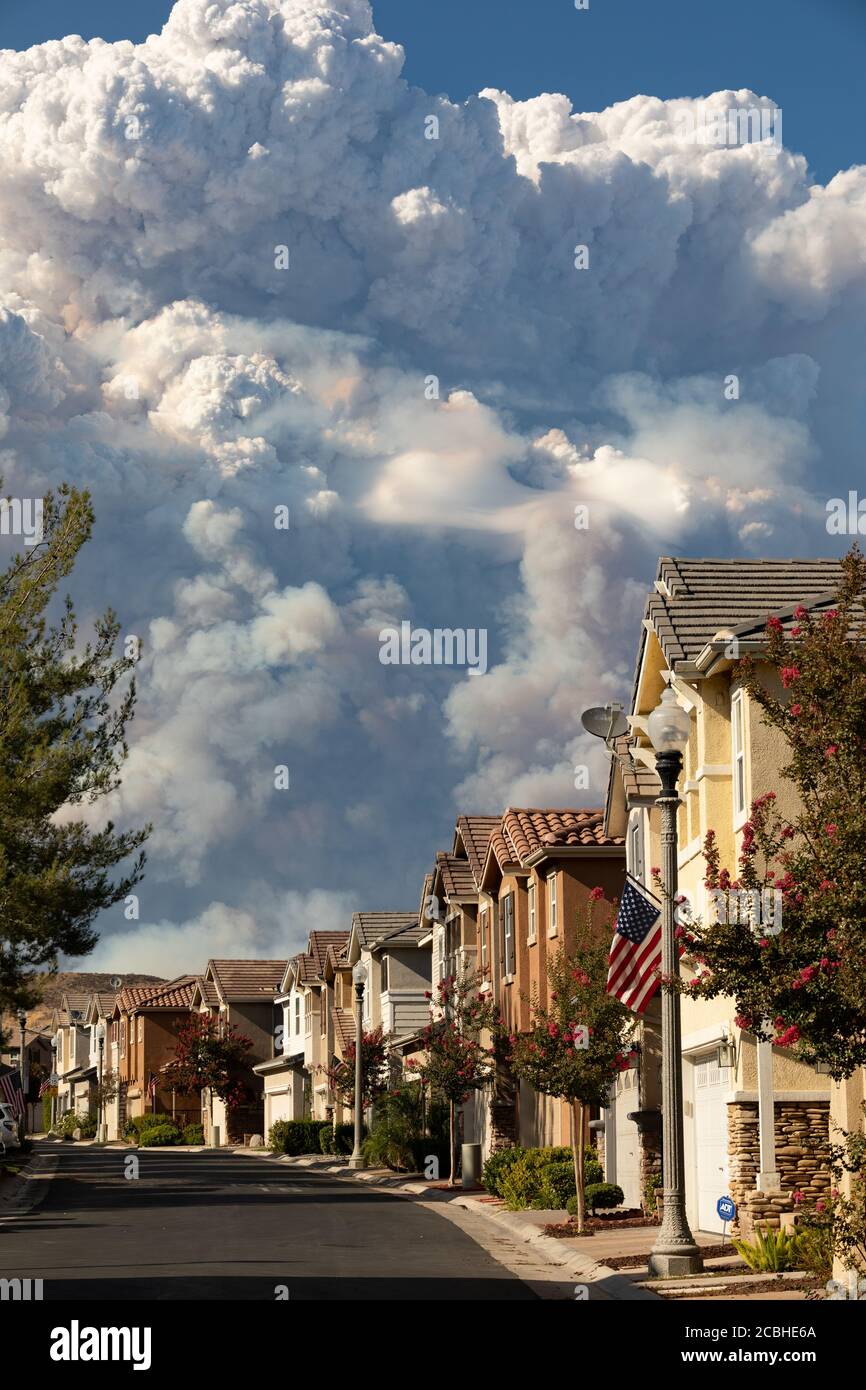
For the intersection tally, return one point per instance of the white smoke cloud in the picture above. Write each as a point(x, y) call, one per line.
point(233, 264)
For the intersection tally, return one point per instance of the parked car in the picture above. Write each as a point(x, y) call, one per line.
point(8, 1127)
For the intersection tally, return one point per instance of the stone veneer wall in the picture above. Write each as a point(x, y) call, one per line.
point(802, 1151)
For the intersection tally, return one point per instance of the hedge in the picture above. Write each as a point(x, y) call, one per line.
point(296, 1136)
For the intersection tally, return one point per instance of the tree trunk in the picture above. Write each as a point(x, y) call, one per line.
point(577, 1150)
point(452, 1125)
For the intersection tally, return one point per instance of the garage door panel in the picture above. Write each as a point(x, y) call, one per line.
point(711, 1085)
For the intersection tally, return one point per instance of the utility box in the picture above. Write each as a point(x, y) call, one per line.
point(470, 1164)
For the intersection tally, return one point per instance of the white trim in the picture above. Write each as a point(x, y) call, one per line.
point(713, 770)
point(705, 1037)
point(688, 852)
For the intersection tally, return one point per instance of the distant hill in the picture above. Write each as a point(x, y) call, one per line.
point(73, 982)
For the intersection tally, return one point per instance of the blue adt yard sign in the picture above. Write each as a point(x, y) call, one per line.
point(726, 1208)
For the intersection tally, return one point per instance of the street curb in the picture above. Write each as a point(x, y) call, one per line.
point(40, 1169)
point(614, 1284)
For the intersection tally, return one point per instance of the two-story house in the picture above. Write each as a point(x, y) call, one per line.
point(756, 1117)
point(145, 1023)
point(539, 871)
point(240, 995)
point(72, 1047)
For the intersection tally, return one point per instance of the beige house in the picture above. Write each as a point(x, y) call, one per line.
point(240, 994)
point(756, 1117)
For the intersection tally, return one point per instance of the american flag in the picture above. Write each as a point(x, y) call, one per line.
point(10, 1091)
point(636, 950)
point(151, 1085)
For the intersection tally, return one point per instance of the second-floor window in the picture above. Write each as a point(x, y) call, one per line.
point(297, 1013)
point(738, 751)
point(384, 969)
point(308, 1015)
point(140, 1027)
point(552, 906)
point(531, 928)
point(508, 933)
point(122, 1037)
point(483, 929)
point(635, 847)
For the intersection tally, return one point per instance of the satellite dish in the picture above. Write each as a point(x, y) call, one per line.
point(605, 721)
point(116, 982)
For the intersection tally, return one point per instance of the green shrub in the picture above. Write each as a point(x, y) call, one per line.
point(558, 1184)
point(296, 1136)
point(137, 1124)
point(87, 1125)
point(67, 1123)
point(603, 1194)
point(496, 1166)
point(650, 1193)
point(159, 1136)
point(344, 1138)
point(326, 1139)
point(47, 1102)
point(771, 1251)
point(815, 1245)
point(193, 1134)
point(522, 1184)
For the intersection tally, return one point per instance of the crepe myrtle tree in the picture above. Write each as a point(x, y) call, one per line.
point(374, 1070)
point(578, 1043)
point(455, 1060)
point(801, 982)
point(208, 1056)
point(64, 707)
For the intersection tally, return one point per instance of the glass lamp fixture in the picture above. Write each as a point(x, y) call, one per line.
point(668, 725)
point(359, 973)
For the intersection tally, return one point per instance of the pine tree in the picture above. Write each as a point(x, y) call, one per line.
point(63, 715)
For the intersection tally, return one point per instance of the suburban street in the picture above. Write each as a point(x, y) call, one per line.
point(222, 1226)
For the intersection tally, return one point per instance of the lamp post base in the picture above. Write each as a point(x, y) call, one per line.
point(664, 1265)
point(357, 1161)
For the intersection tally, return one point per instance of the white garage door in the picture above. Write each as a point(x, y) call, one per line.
point(279, 1108)
point(628, 1140)
point(711, 1139)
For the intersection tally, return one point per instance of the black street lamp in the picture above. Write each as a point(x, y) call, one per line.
point(359, 977)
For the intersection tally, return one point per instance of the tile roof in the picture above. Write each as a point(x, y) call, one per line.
point(77, 1003)
point(321, 942)
point(132, 995)
point(694, 599)
point(370, 926)
point(246, 979)
point(637, 779)
point(458, 880)
point(177, 994)
point(344, 1026)
point(208, 991)
point(105, 1003)
point(522, 832)
point(474, 833)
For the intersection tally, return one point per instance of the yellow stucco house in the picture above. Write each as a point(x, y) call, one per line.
point(756, 1117)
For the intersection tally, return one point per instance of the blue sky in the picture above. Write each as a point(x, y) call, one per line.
point(807, 56)
point(155, 349)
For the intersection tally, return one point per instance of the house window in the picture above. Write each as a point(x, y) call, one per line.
point(635, 848)
point(552, 906)
point(483, 927)
point(123, 1037)
point(442, 950)
point(531, 930)
point(308, 1015)
point(297, 1013)
point(140, 1027)
point(508, 932)
point(739, 753)
point(384, 969)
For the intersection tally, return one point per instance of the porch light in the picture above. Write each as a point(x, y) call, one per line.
point(669, 724)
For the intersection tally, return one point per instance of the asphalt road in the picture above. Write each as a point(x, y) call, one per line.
point(226, 1226)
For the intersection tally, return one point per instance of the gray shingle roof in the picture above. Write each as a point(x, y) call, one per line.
point(374, 926)
point(694, 599)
